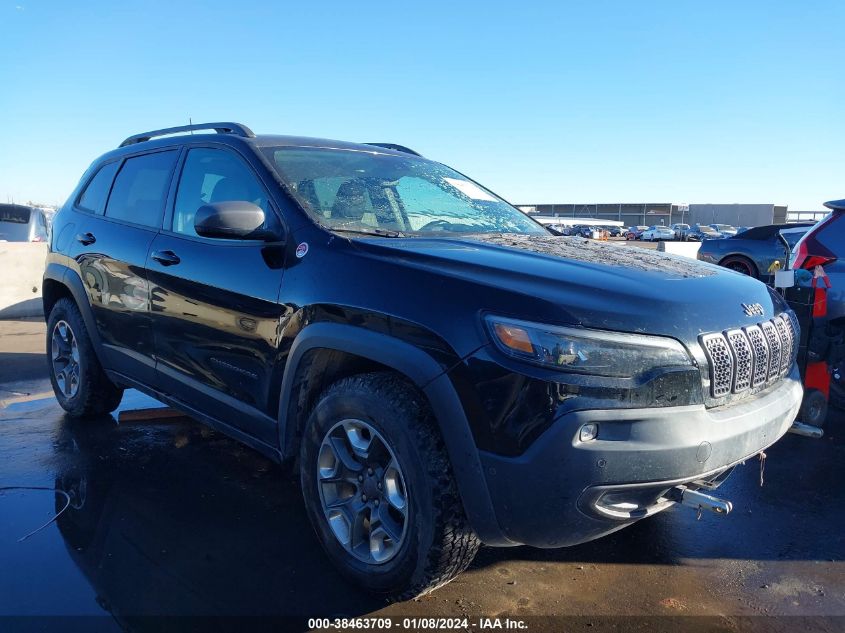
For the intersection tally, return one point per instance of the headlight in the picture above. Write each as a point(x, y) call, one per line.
point(583, 351)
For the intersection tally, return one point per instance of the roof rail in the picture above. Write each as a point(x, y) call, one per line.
point(394, 146)
point(220, 128)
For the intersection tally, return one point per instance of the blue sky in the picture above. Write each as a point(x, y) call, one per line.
point(542, 102)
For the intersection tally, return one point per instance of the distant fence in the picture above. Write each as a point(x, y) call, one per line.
point(21, 270)
point(805, 216)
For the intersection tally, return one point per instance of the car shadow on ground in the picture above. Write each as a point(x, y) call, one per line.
point(21, 366)
point(169, 517)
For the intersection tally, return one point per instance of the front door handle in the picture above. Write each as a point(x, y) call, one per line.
point(166, 258)
point(86, 238)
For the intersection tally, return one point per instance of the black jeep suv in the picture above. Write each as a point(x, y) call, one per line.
point(445, 371)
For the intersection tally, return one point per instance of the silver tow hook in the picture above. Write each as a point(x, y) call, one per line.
point(799, 428)
point(699, 500)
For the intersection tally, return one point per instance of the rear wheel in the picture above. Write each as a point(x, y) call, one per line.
point(741, 265)
point(379, 489)
point(79, 382)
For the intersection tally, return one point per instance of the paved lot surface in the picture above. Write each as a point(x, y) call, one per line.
point(168, 517)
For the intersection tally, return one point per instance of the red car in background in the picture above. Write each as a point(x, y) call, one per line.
point(634, 232)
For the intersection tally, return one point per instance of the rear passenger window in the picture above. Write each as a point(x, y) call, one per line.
point(140, 189)
point(94, 196)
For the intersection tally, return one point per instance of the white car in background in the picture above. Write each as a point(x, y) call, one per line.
point(658, 234)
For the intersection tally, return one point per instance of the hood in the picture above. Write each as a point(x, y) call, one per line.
point(570, 280)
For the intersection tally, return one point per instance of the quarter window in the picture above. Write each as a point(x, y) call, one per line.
point(213, 175)
point(94, 196)
point(140, 188)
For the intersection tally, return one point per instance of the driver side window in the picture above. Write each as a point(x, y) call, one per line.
point(213, 175)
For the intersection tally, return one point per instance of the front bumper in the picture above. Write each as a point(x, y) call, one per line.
point(563, 491)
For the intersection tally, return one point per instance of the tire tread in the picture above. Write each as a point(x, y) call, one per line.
point(99, 396)
point(455, 544)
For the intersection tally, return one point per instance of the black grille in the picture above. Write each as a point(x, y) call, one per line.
point(751, 357)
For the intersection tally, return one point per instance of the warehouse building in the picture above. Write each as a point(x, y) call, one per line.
point(737, 214)
point(666, 213)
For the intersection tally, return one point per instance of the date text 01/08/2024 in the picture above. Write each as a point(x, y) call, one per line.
point(415, 624)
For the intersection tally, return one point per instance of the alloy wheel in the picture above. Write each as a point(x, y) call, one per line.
point(362, 491)
point(65, 359)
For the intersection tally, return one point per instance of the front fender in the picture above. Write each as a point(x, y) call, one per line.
point(432, 380)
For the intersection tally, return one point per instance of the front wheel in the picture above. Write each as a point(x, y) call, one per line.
point(379, 490)
point(79, 382)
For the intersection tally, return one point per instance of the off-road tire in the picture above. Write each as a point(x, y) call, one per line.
point(96, 394)
point(438, 543)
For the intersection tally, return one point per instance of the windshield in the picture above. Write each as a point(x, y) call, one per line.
point(370, 191)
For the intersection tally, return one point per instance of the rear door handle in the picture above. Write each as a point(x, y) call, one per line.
point(166, 258)
point(86, 238)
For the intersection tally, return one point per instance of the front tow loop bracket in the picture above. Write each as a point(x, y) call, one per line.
point(699, 501)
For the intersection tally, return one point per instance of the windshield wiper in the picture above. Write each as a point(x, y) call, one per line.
point(370, 231)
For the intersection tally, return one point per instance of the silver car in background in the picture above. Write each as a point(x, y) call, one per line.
point(679, 230)
point(19, 223)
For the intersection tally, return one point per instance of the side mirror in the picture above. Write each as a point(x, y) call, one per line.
point(235, 220)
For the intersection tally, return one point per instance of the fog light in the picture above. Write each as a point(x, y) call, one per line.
point(588, 432)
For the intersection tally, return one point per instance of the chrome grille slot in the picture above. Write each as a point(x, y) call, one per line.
point(785, 333)
point(761, 355)
point(793, 334)
point(721, 363)
point(773, 340)
point(796, 329)
point(751, 357)
point(743, 360)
